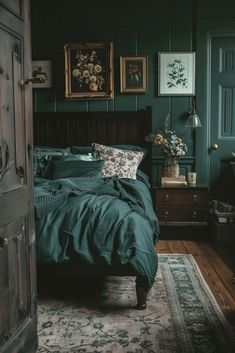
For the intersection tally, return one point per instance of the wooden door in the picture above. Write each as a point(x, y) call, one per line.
point(18, 331)
point(222, 115)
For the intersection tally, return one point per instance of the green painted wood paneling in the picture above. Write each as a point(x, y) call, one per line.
point(133, 28)
point(136, 28)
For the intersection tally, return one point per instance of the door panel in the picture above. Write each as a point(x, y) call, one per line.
point(18, 330)
point(12, 124)
point(13, 271)
point(222, 116)
point(14, 6)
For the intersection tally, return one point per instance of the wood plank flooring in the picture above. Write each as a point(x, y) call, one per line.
point(217, 266)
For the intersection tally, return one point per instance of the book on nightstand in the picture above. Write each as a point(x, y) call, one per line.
point(174, 181)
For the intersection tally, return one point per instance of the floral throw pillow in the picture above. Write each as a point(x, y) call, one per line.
point(117, 162)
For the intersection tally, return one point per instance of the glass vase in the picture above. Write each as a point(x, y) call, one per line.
point(170, 167)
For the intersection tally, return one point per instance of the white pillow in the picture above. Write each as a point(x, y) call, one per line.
point(117, 162)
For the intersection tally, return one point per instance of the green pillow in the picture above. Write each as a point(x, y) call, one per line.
point(81, 149)
point(74, 168)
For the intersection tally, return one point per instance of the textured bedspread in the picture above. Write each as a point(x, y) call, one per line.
point(101, 222)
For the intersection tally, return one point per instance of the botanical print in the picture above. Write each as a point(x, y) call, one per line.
point(176, 74)
point(88, 70)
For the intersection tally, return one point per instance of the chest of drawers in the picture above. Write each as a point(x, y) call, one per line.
point(181, 205)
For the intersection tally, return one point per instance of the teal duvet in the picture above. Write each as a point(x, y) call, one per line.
point(98, 221)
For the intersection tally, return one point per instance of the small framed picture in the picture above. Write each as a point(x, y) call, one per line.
point(42, 74)
point(133, 74)
point(89, 70)
point(176, 74)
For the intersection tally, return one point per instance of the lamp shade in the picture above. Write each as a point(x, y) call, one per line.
point(193, 120)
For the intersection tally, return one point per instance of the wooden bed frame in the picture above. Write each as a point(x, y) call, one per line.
point(64, 129)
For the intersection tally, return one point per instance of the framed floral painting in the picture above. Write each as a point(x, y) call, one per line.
point(133, 74)
point(176, 74)
point(89, 70)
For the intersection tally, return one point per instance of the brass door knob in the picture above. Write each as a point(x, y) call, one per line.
point(214, 147)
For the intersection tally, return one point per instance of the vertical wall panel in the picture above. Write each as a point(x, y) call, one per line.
point(228, 60)
point(226, 113)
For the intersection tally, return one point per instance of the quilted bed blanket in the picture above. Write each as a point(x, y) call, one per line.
point(99, 222)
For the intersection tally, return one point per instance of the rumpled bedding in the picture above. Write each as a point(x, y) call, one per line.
point(98, 222)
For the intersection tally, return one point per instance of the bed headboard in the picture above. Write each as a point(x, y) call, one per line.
point(64, 129)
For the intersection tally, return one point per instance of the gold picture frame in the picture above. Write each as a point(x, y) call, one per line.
point(133, 74)
point(89, 70)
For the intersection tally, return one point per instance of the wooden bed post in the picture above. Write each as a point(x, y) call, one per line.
point(141, 294)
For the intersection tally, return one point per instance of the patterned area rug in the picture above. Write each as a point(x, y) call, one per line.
point(182, 316)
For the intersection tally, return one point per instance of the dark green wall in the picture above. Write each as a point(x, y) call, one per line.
point(136, 28)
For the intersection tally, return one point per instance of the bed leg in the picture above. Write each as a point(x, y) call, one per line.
point(141, 298)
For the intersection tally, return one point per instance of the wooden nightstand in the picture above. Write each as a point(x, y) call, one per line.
point(182, 206)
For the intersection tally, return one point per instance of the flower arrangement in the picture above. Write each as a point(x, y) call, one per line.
point(89, 71)
point(134, 73)
point(168, 142)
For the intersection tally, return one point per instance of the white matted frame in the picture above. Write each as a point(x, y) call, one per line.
point(176, 74)
point(42, 74)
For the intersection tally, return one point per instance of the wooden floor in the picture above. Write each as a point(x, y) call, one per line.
point(217, 264)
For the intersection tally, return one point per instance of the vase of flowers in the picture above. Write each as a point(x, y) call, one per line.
point(170, 167)
point(172, 148)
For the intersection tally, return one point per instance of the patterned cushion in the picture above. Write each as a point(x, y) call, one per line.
point(117, 162)
point(131, 148)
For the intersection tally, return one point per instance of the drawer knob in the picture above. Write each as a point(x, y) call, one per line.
point(166, 214)
point(194, 214)
point(194, 197)
point(166, 197)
